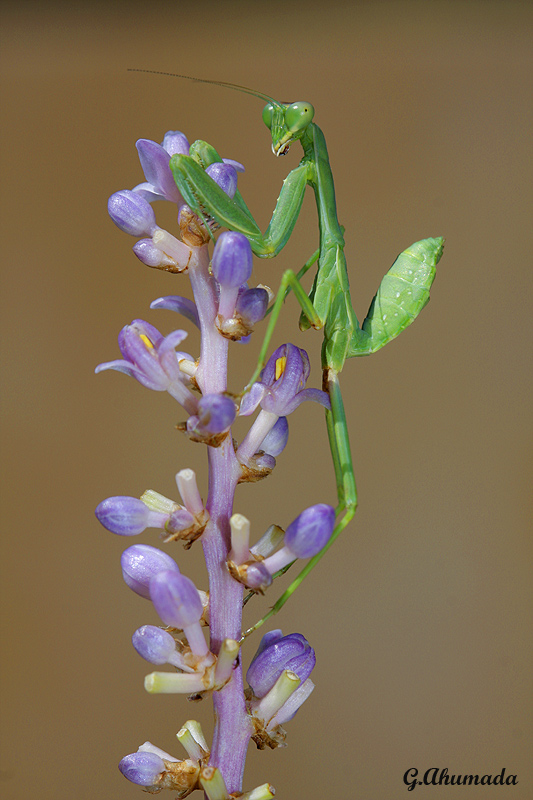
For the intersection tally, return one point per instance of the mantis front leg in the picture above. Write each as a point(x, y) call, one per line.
point(209, 201)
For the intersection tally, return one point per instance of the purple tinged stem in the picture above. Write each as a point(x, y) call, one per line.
point(233, 727)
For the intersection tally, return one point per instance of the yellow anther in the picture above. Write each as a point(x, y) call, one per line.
point(280, 366)
point(147, 341)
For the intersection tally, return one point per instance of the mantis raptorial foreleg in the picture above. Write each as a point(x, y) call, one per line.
point(208, 200)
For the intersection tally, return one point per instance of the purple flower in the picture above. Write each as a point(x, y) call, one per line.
point(179, 520)
point(215, 415)
point(144, 769)
point(160, 184)
point(280, 389)
point(235, 164)
point(140, 563)
point(176, 599)
point(252, 305)
point(181, 305)
point(256, 576)
point(232, 266)
point(152, 256)
point(276, 439)
point(154, 158)
point(128, 516)
point(279, 392)
point(276, 654)
point(175, 142)
point(151, 358)
point(225, 175)
point(132, 213)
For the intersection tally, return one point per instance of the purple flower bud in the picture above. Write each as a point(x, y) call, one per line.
point(252, 305)
point(175, 142)
point(292, 652)
point(310, 531)
point(128, 516)
point(144, 769)
point(258, 577)
point(131, 213)
point(179, 520)
point(216, 413)
point(263, 462)
point(152, 256)
point(276, 439)
point(140, 563)
point(176, 599)
point(225, 175)
point(232, 259)
point(153, 644)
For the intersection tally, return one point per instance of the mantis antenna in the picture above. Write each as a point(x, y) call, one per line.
point(234, 86)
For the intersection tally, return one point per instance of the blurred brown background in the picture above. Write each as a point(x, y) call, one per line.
point(420, 614)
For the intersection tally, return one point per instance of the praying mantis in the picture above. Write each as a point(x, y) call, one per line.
point(402, 294)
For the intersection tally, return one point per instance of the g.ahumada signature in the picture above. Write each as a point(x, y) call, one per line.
point(440, 777)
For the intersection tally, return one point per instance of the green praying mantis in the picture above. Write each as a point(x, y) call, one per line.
point(402, 294)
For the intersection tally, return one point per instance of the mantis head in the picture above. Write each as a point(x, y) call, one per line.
point(287, 122)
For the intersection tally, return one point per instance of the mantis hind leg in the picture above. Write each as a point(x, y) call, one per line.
point(337, 433)
point(339, 443)
point(280, 602)
point(289, 282)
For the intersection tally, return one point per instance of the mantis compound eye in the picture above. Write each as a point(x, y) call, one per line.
point(298, 116)
point(267, 115)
